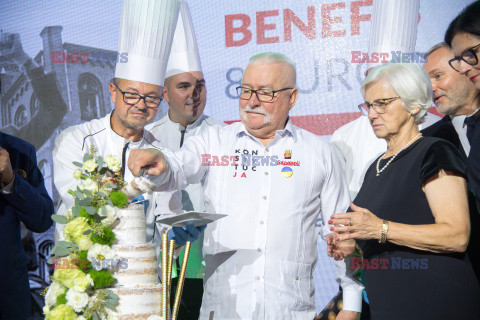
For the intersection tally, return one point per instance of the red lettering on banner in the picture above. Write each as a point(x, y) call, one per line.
point(230, 30)
point(262, 27)
point(243, 175)
point(289, 17)
point(328, 20)
point(356, 17)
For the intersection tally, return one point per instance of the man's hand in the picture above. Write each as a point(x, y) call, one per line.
point(348, 315)
point(339, 249)
point(6, 171)
point(151, 161)
point(182, 235)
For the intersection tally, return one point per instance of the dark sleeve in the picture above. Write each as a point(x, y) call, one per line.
point(33, 205)
point(442, 154)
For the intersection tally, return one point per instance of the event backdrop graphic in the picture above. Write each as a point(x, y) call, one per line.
point(77, 41)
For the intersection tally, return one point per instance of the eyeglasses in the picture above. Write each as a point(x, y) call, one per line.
point(132, 98)
point(263, 95)
point(379, 105)
point(469, 56)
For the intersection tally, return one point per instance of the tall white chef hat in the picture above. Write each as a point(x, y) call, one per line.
point(184, 56)
point(393, 27)
point(146, 34)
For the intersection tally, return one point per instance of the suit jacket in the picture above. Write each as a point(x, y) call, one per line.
point(444, 129)
point(29, 203)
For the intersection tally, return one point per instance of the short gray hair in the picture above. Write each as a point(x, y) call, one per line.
point(436, 47)
point(409, 81)
point(274, 57)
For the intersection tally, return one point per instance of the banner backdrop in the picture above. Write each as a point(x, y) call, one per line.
point(76, 41)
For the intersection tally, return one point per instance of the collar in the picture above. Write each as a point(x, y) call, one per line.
point(115, 136)
point(192, 125)
point(289, 130)
point(461, 119)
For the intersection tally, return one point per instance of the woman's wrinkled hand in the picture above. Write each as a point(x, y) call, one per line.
point(360, 224)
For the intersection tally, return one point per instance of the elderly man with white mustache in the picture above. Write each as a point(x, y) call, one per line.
point(277, 184)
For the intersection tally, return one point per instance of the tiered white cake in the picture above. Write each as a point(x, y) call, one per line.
point(137, 288)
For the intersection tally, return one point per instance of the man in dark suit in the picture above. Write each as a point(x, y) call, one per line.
point(455, 96)
point(23, 198)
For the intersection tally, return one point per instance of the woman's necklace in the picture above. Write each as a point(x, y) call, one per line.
point(395, 155)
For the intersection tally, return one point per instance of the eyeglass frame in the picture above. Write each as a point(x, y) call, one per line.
point(256, 93)
point(371, 105)
point(140, 97)
point(460, 58)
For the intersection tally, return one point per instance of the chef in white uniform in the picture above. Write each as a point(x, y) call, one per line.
point(136, 92)
point(275, 182)
point(393, 28)
point(186, 95)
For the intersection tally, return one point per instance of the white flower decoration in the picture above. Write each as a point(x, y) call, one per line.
point(111, 216)
point(90, 165)
point(155, 317)
point(77, 174)
point(53, 292)
point(90, 185)
point(84, 243)
point(77, 300)
point(109, 211)
point(98, 253)
point(69, 214)
point(82, 284)
point(113, 163)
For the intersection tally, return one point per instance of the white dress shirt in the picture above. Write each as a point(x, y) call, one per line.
point(172, 134)
point(260, 258)
point(75, 141)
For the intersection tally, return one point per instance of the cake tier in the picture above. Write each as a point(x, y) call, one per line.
point(138, 303)
point(139, 265)
point(130, 227)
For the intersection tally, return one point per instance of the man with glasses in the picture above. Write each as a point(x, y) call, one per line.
point(136, 92)
point(118, 133)
point(277, 184)
point(455, 96)
point(186, 95)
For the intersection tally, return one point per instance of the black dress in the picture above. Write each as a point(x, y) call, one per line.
point(404, 283)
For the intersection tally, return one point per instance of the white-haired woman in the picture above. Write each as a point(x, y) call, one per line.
point(410, 218)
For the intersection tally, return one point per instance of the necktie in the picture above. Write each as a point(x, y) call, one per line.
point(471, 122)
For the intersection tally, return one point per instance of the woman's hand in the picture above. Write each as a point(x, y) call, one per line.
point(360, 224)
point(339, 249)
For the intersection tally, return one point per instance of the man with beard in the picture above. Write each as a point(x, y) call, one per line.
point(136, 92)
point(455, 96)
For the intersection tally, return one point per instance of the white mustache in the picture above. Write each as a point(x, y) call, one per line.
point(259, 110)
point(255, 110)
